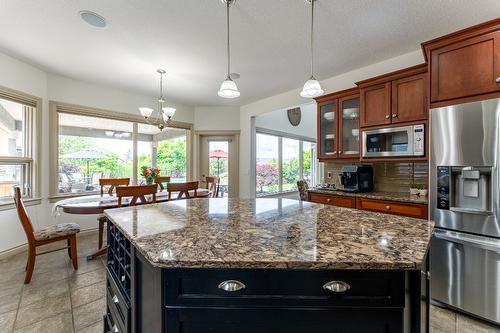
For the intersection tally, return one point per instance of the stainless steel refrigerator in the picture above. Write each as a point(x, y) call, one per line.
point(464, 201)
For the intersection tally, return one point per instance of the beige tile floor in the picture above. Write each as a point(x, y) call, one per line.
point(60, 299)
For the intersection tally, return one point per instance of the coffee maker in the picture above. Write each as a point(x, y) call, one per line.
point(356, 178)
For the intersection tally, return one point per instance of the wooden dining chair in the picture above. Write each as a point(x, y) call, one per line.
point(212, 184)
point(183, 189)
point(160, 180)
point(137, 193)
point(55, 233)
point(112, 183)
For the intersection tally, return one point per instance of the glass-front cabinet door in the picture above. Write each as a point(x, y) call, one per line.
point(327, 129)
point(349, 126)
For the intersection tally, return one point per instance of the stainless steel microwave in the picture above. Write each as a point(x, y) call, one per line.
point(401, 141)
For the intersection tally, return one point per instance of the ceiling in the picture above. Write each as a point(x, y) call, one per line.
point(187, 38)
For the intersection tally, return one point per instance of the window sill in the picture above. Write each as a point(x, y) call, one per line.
point(9, 204)
point(58, 197)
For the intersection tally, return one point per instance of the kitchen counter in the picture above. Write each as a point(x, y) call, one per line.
point(264, 265)
point(271, 233)
point(390, 196)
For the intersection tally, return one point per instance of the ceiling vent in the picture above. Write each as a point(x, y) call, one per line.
point(92, 18)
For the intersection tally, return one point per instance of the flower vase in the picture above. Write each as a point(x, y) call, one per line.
point(149, 181)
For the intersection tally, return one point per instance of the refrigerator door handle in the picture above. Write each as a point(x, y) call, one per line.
point(470, 240)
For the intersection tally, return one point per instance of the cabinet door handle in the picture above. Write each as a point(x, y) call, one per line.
point(387, 116)
point(231, 285)
point(387, 207)
point(497, 79)
point(336, 286)
point(115, 299)
point(394, 115)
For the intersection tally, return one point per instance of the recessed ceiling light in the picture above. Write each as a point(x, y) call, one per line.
point(92, 18)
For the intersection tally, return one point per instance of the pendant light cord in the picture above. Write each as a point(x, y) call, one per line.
point(227, 45)
point(312, 38)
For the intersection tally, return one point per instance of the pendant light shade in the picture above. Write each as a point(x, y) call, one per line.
point(312, 87)
point(228, 88)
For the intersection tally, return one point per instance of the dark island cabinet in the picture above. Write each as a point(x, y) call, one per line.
point(192, 300)
point(118, 282)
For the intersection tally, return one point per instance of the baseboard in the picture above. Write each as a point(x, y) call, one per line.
point(24, 247)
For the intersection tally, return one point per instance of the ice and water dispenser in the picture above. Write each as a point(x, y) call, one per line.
point(464, 189)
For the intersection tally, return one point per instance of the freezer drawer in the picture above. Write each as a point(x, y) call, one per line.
point(465, 273)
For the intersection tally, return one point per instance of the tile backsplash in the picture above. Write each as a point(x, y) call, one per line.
point(389, 176)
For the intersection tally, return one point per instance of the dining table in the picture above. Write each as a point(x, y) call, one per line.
point(95, 204)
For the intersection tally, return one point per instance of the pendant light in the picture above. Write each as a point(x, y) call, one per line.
point(228, 88)
point(312, 88)
point(165, 114)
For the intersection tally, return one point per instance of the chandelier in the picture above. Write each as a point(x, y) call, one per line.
point(165, 114)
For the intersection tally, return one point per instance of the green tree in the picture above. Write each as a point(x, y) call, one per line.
point(171, 158)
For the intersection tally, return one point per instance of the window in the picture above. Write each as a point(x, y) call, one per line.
point(18, 127)
point(93, 144)
point(290, 164)
point(166, 150)
point(90, 149)
point(266, 170)
point(281, 161)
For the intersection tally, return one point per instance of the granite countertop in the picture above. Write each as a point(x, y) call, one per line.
point(391, 196)
point(271, 233)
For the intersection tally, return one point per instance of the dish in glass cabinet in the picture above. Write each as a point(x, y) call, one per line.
point(355, 132)
point(351, 152)
point(351, 113)
point(330, 116)
point(330, 136)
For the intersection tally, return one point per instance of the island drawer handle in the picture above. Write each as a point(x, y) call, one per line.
point(231, 285)
point(336, 286)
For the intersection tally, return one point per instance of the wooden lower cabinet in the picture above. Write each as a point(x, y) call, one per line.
point(391, 207)
point(375, 205)
point(334, 200)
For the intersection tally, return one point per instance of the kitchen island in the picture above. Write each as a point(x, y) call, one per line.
point(264, 265)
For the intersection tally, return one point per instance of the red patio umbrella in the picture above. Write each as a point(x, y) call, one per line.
point(218, 154)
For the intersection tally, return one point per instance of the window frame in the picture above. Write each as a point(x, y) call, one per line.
point(60, 107)
point(32, 146)
point(281, 135)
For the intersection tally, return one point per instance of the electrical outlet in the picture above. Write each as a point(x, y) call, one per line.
point(330, 174)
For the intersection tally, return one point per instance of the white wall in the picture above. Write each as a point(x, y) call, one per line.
point(292, 97)
point(63, 89)
point(26, 78)
point(222, 118)
point(278, 121)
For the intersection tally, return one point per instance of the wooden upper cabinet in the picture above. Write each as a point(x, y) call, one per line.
point(465, 66)
point(327, 129)
point(375, 105)
point(338, 125)
point(409, 99)
point(394, 98)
